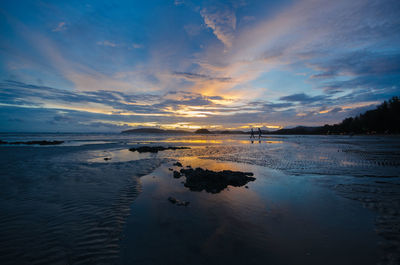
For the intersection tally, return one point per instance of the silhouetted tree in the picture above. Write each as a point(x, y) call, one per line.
point(385, 119)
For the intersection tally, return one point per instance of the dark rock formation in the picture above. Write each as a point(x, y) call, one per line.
point(34, 142)
point(177, 174)
point(214, 182)
point(155, 149)
point(178, 164)
point(178, 202)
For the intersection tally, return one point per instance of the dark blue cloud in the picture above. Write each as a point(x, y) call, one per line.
point(387, 84)
point(303, 98)
point(197, 77)
point(359, 63)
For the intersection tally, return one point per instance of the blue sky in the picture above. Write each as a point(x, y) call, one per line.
point(102, 66)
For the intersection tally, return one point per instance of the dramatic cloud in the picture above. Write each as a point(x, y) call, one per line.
point(188, 64)
point(222, 22)
point(357, 64)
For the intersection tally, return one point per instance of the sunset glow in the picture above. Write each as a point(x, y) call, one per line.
point(189, 64)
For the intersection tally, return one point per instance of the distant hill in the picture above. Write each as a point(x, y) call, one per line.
point(229, 132)
point(153, 130)
point(298, 130)
point(256, 132)
point(160, 131)
point(203, 131)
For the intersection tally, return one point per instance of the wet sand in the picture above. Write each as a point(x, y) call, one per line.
point(315, 200)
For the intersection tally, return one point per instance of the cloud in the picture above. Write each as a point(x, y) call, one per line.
point(216, 98)
point(248, 18)
point(347, 50)
point(200, 77)
point(137, 46)
point(335, 110)
point(60, 27)
point(193, 29)
point(345, 42)
point(110, 110)
point(107, 43)
point(358, 63)
point(222, 22)
point(387, 84)
point(302, 98)
point(179, 2)
point(275, 106)
point(173, 104)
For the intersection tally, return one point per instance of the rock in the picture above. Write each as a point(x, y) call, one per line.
point(246, 187)
point(170, 169)
point(203, 131)
point(34, 142)
point(107, 158)
point(155, 149)
point(178, 164)
point(178, 202)
point(212, 181)
point(172, 199)
point(183, 203)
point(177, 174)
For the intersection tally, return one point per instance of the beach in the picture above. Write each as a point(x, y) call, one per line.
point(309, 199)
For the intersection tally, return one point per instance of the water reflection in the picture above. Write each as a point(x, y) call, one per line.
point(276, 215)
point(122, 155)
point(274, 142)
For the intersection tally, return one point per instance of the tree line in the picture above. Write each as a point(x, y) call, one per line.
point(385, 119)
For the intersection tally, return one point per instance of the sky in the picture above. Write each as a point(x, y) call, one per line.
point(100, 66)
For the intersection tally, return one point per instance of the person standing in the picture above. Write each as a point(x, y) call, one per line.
point(252, 133)
point(259, 133)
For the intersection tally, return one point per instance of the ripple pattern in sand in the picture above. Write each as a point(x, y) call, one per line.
point(315, 155)
point(57, 213)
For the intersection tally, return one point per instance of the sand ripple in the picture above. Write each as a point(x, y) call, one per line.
point(63, 213)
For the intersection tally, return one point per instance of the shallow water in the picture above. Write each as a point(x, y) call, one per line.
point(316, 199)
point(278, 219)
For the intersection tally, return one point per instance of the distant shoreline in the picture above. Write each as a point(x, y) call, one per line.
point(384, 120)
point(301, 130)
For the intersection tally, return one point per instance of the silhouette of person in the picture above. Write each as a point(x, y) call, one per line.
point(259, 133)
point(252, 133)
